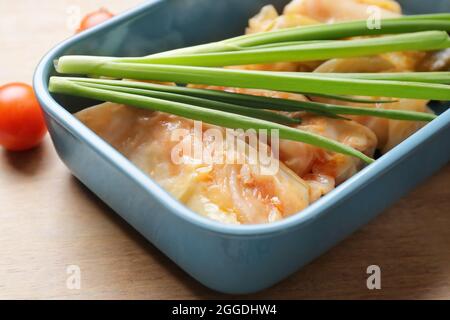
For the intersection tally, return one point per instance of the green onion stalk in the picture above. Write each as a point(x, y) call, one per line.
point(212, 116)
point(406, 24)
point(221, 100)
point(279, 81)
point(420, 41)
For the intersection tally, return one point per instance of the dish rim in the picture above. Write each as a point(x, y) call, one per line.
point(298, 220)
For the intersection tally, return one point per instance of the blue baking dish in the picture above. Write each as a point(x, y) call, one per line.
point(230, 259)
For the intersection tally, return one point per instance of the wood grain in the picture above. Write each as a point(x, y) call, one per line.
point(50, 221)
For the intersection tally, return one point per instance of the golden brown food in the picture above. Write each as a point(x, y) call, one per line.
point(229, 193)
point(308, 160)
point(331, 10)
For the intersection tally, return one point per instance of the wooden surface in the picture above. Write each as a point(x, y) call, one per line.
point(49, 221)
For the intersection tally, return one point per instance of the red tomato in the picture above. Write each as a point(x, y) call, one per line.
point(94, 18)
point(22, 124)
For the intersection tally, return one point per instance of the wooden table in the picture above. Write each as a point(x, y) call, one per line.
point(50, 221)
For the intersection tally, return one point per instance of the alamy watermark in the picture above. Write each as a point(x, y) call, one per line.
point(374, 19)
point(73, 17)
point(73, 281)
point(227, 146)
point(374, 280)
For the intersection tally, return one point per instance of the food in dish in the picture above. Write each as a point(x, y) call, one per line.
point(333, 105)
point(229, 193)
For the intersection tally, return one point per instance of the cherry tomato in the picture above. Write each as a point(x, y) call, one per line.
point(94, 18)
point(22, 124)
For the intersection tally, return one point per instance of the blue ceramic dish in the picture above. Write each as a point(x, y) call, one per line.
point(231, 259)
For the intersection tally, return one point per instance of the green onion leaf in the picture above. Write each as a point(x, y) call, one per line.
point(204, 103)
point(442, 77)
point(226, 101)
point(414, 23)
point(278, 81)
point(421, 41)
point(351, 99)
point(215, 117)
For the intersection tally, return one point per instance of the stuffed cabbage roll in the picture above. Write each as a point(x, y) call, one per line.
point(229, 193)
point(322, 169)
point(331, 10)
